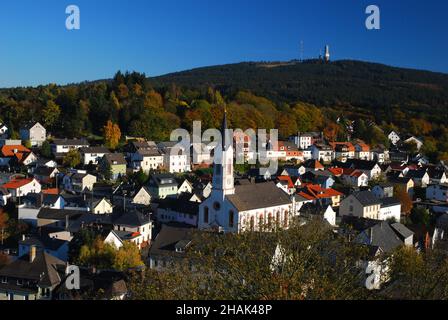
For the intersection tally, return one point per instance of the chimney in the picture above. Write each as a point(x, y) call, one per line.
point(32, 254)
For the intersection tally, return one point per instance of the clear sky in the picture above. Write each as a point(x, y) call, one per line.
point(158, 37)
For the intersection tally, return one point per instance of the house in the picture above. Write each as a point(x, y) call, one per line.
point(343, 150)
point(147, 160)
point(390, 209)
point(8, 152)
point(405, 183)
point(416, 141)
point(322, 178)
point(4, 196)
point(21, 187)
point(286, 184)
point(362, 151)
point(420, 177)
point(370, 168)
point(101, 206)
point(437, 176)
point(134, 226)
point(290, 151)
point(175, 160)
point(3, 131)
point(92, 155)
point(142, 197)
point(321, 196)
point(394, 137)
point(361, 204)
point(322, 153)
point(113, 165)
point(60, 147)
point(313, 165)
point(45, 175)
point(380, 238)
point(380, 154)
point(437, 192)
point(169, 246)
point(23, 159)
point(383, 190)
point(162, 185)
point(185, 187)
point(180, 210)
point(79, 181)
point(33, 132)
point(304, 140)
point(33, 202)
point(259, 174)
point(355, 178)
point(32, 276)
point(55, 247)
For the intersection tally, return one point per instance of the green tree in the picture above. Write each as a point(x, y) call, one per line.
point(51, 113)
point(72, 158)
point(45, 149)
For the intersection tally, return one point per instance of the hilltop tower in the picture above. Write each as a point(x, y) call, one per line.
point(327, 53)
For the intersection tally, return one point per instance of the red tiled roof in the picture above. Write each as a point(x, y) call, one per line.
point(336, 171)
point(287, 179)
point(314, 192)
point(17, 183)
point(349, 145)
point(8, 151)
point(50, 191)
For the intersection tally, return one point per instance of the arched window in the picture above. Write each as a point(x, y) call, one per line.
point(231, 218)
point(252, 223)
point(260, 221)
point(278, 218)
point(286, 218)
point(205, 214)
point(270, 220)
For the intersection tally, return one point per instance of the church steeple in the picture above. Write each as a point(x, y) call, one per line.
point(223, 181)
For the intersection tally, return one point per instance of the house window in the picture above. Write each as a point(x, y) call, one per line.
point(205, 214)
point(19, 282)
point(4, 280)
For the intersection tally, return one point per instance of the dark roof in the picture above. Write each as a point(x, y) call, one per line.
point(132, 218)
point(366, 198)
point(389, 202)
point(39, 199)
point(380, 235)
point(361, 164)
point(163, 179)
point(115, 158)
point(150, 152)
point(43, 269)
point(94, 150)
point(165, 242)
point(258, 195)
point(181, 205)
point(58, 214)
point(43, 171)
point(402, 230)
point(418, 174)
point(43, 242)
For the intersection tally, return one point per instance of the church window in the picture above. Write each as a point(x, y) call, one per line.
point(252, 223)
point(216, 206)
point(231, 218)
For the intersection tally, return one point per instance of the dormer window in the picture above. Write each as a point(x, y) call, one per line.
point(4, 280)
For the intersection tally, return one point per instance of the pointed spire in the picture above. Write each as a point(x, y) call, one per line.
point(224, 130)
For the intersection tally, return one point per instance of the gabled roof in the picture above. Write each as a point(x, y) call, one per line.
point(132, 218)
point(287, 180)
point(17, 183)
point(115, 159)
point(258, 195)
point(361, 164)
point(100, 150)
point(389, 202)
point(11, 150)
point(367, 198)
point(43, 269)
point(165, 242)
point(70, 142)
point(313, 164)
point(416, 174)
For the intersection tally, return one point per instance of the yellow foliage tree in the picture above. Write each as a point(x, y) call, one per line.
point(112, 134)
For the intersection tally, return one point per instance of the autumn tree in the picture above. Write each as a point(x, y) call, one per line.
point(112, 134)
point(127, 257)
point(3, 225)
point(404, 198)
point(72, 158)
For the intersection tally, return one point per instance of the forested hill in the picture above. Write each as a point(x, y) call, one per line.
point(344, 83)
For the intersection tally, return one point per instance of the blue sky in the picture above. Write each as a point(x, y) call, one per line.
point(158, 37)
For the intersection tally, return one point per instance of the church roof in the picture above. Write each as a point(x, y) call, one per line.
point(258, 195)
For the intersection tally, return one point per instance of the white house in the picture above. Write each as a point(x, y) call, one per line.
point(60, 147)
point(355, 178)
point(34, 132)
point(147, 160)
point(91, 155)
point(322, 153)
point(303, 140)
point(362, 204)
point(394, 137)
point(175, 161)
point(135, 227)
point(390, 209)
point(143, 197)
point(21, 187)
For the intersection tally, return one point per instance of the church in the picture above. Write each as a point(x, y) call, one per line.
point(239, 206)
